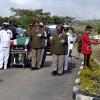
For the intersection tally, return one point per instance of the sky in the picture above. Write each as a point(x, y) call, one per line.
point(80, 9)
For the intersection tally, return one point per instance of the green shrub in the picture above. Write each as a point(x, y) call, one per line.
point(90, 80)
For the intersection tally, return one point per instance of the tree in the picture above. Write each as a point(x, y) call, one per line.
point(27, 16)
point(1, 20)
point(69, 20)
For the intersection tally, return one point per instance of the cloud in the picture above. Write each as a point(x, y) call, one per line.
point(21, 1)
point(77, 8)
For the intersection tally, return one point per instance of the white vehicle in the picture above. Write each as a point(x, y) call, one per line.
point(52, 28)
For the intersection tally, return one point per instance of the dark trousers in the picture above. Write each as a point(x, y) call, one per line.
point(44, 57)
point(86, 60)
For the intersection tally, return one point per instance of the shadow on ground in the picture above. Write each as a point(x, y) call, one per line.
point(47, 64)
point(70, 68)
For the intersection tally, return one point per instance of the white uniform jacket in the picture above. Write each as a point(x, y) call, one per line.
point(5, 36)
point(70, 41)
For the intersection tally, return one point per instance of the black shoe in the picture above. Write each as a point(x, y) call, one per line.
point(34, 68)
point(60, 74)
point(42, 66)
point(77, 58)
point(66, 71)
point(54, 73)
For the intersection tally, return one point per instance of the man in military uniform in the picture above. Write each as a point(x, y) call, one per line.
point(38, 43)
point(58, 49)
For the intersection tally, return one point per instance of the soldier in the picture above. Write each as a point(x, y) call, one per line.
point(5, 36)
point(59, 50)
point(38, 43)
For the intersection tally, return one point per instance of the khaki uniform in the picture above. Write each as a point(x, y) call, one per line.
point(59, 49)
point(38, 40)
point(38, 43)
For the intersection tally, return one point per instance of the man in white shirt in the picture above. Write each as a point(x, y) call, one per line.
point(5, 35)
point(70, 46)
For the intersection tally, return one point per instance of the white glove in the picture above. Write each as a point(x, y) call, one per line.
point(39, 35)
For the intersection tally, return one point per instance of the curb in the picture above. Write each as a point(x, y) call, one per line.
point(75, 94)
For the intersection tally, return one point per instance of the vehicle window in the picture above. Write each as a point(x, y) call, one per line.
point(52, 30)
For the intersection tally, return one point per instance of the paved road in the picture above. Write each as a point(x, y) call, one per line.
point(24, 84)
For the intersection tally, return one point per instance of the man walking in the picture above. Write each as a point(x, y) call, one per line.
point(59, 50)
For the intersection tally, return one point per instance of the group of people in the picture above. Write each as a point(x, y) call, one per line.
point(61, 45)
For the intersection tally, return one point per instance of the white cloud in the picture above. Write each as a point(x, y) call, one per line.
point(21, 1)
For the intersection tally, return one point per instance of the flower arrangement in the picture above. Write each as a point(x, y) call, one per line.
point(90, 80)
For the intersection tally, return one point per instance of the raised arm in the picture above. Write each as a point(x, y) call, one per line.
point(89, 41)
